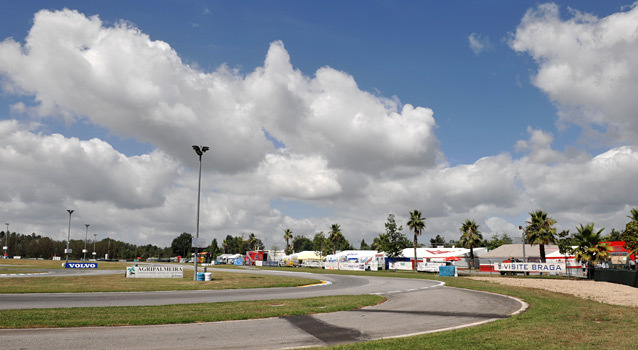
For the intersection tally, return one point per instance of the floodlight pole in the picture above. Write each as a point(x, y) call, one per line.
point(523, 237)
point(6, 233)
point(85, 235)
point(68, 236)
point(200, 152)
point(94, 240)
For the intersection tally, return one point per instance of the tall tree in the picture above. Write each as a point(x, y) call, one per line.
point(320, 244)
point(630, 235)
point(540, 230)
point(335, 236)
point(213, 248)
point(470, 237)
point(564, 242)
point(288, 237)
point(393, 241)
point(254, 243)
point(437, 241)
point(301, 243)
point(589, 247)
point(497, 241)
point(181, 245)
point(417, 225)
point(363, 245)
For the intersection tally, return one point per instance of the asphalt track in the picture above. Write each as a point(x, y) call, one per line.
point(413, 307)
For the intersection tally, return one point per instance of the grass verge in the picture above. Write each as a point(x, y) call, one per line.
point(182, 313)
point(553, 321)
point(119, 283)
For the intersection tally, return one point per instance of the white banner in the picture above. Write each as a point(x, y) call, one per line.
point(530, 267)
point(400, 265)
point(352, 266)
point(154, 271)
point(429, 266)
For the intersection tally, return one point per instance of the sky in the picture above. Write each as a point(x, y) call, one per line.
point(316, 113)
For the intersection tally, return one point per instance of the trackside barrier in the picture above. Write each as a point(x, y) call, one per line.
point(627, 277)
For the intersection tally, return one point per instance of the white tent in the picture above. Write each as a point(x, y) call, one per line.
point(305, 255)
point(441, 254)
point(507, 251)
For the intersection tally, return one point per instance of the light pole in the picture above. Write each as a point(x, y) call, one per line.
point(68, 236)
point(523, 237)
point(6, 247)
point(85, 235)
point(94, 240)
point(200, 152)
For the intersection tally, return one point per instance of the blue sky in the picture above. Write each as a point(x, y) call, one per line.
point(490, 112)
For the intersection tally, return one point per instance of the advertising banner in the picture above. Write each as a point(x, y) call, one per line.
point(429, 266)
point(400, 265)
point(352, 266)
point(80, 265)
point(154, 271)
point(530, 267)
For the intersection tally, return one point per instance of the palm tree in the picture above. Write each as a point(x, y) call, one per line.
point(252, 242)
point(471, 237)
point(539, 230)
point(287, 237)
point(417, 225)
point(335, 236)
point(630, 235)
point(589, 247)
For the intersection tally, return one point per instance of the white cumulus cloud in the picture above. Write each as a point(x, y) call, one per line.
point(587, 65)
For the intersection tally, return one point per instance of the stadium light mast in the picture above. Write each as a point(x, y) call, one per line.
point(6, 247)
point(85, 236)
point(68, 236)
point(200, 152)
point(94, 240)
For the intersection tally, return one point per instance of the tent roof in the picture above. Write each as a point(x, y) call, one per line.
point(432, 253)
point(306, 255)
point(516, 251)
point(226, 256)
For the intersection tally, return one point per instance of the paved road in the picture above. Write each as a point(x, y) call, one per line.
point(413, 307)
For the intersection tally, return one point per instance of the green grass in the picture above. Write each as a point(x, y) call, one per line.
point(119, 283)
point(57, 264)
point(182, 313)
point(553, 321)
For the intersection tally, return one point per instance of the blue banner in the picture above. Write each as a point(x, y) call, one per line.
point(80, 265)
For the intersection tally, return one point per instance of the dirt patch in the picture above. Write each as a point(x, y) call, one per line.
point(604, 292)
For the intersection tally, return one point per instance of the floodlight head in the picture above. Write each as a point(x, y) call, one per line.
point(205, 148)
point(197, 150)
point(70, 211)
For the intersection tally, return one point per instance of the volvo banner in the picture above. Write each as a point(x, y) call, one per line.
point(80, 265)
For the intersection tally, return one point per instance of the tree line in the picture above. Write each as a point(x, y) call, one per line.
point(539, 230)
point(37, 246)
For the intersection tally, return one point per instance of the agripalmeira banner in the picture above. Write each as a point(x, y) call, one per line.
point(154, 271)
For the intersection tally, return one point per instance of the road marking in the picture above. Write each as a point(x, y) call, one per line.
point(323, 283)
point(23, 274)
point(440, 284)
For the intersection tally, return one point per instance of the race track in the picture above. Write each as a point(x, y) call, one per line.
point(413, 307)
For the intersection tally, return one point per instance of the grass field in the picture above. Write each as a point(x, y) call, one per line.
point(182, 313)
point(553, 321)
